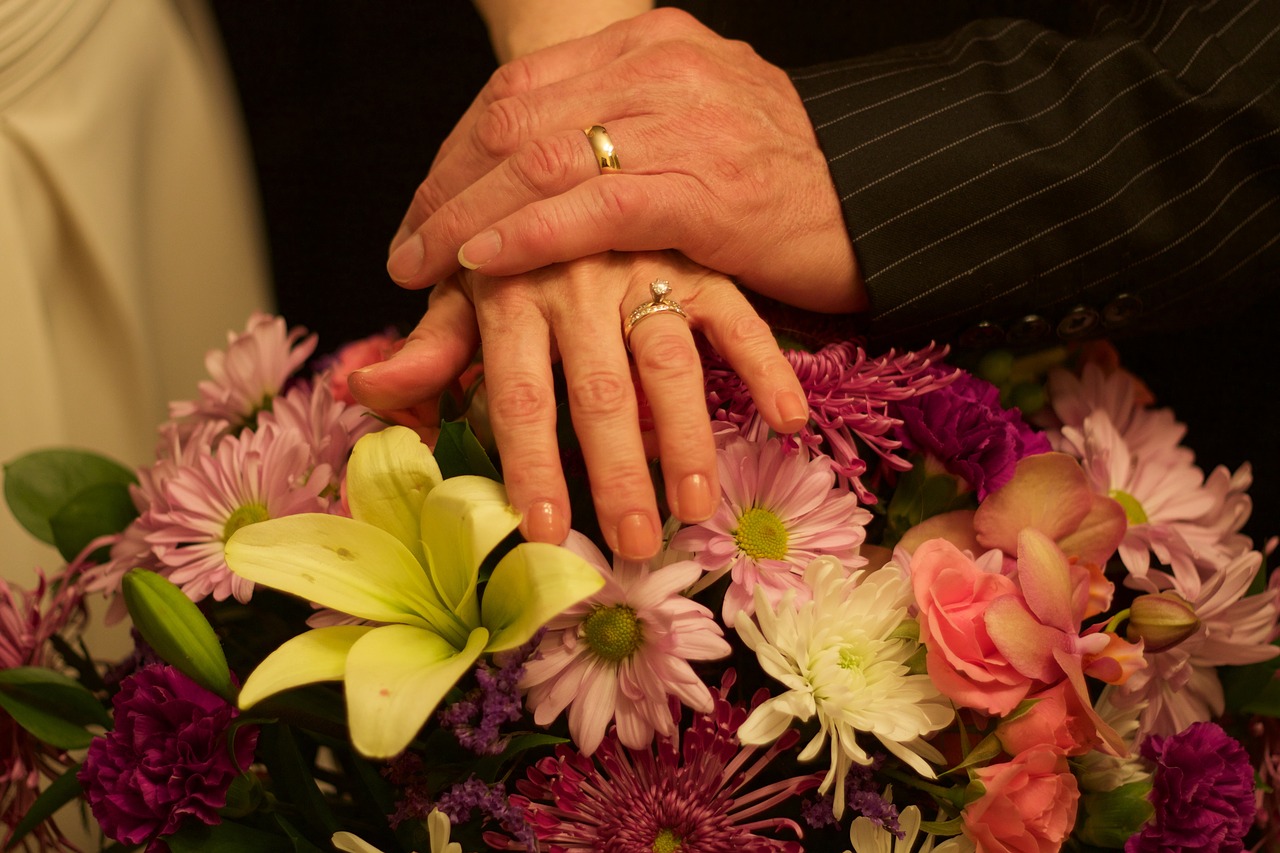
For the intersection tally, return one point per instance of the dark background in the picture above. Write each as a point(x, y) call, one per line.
point(346, 104)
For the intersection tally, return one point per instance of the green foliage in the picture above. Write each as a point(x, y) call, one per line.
point(458, 451)
point(67, 498)
point(920, 494)
point(51, 706)
point(177, 630)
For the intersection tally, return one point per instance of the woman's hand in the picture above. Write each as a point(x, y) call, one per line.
point(718, 160)
point(574, 312)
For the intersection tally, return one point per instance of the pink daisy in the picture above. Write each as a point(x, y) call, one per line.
point(330, 426)
point(780, 511)
point(1161, 490)
point(256, 475)
point(27, 621)
point(849, 395)
point(249, 373)
point(692, 796)
point(620, 653)
point(1180, 685)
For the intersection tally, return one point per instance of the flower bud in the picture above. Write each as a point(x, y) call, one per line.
point(1161, 620)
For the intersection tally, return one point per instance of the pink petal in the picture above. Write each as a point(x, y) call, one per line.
point(1024, 642)
point(1048, 492)
point(1045, 579)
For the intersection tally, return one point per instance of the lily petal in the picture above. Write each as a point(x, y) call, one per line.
point(318, 655)
point(388, 478)
point(1099, 533)
point(531, 585)
point(395, 677)
point(1045, 579)
point(343, 564)
point(1027, 645)
point(1048, 492)
point(463, 519)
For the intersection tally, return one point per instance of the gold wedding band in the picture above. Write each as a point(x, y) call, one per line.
point(659, 289)
point(602, 147)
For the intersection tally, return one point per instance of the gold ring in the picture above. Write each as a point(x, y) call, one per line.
point(602, 147)
point(660, 289)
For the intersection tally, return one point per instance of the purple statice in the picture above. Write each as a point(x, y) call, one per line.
point(863, 796)
point(965, 427)
point(1202, 790)
point(463, 800)
point(850, 398)
point(477, 718)
point(167, 762)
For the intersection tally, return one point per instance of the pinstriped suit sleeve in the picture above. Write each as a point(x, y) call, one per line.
point(1028, 181)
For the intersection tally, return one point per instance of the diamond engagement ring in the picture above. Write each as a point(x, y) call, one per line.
point(660, 290)
point(602, 147)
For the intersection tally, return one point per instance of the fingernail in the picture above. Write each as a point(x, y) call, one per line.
point(480, 250)
point(693, 499)
point(792, 409)
point(405, 261)
point(637, 539)
point(542, 523)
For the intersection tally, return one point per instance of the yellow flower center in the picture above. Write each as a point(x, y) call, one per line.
point(850, 659)
point(243, 517)
point(613, 633)
point(761, 535)
point(667, 842)
point(1132, 508)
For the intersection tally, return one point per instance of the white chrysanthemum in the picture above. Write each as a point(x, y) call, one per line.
point(843, 660)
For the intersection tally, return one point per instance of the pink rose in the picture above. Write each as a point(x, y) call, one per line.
point(952, 594)
point(1056, 719)
point(1029, 805)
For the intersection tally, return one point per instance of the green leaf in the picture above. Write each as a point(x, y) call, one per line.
point(39, 485)
point(946, 828)
point(97, 511)
point(988, 748)
point(226, 837)
point(292, 778)
point(177, 630)
point(488, 767)
point(61, 791)
point(1266, 702)
point(51, 706)
point(458, 451)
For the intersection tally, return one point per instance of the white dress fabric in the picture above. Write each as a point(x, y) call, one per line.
point(130, 237)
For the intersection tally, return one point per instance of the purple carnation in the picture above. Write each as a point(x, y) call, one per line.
point(1202, 791)
point(167, 759)
point(964, 425)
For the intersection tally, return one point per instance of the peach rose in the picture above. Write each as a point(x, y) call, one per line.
point(1056, 719)
point(952, 594)
point(1029, 805)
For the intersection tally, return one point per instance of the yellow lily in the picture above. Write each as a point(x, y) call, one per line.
point(408, 559)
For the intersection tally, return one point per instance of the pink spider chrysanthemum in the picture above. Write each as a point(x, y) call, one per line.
point(621, 653)
point(251, 477)
point(780, 510)
point(691, 793)
point(249, 373)
point(27, 621)
point(848, 394)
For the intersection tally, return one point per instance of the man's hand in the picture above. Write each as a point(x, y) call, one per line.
point(718, 160)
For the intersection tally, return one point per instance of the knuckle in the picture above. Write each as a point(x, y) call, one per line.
point(499, 128)
point(667, 354)
point(429, 197)
point(520, 402)
point(626, 481)
point(618, 202)
point(747, 331)
point(511, 78)
point(600, 392)
point(545, 165)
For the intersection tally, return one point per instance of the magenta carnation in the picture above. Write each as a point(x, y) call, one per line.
point(964, 425)
point(167, 761)
point(1202, 791)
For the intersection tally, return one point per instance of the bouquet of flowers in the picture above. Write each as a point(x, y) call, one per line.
point(992, 607)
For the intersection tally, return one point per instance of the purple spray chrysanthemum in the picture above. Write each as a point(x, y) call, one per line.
point(964, 425)
point(167, 762)
point(1202, 790)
